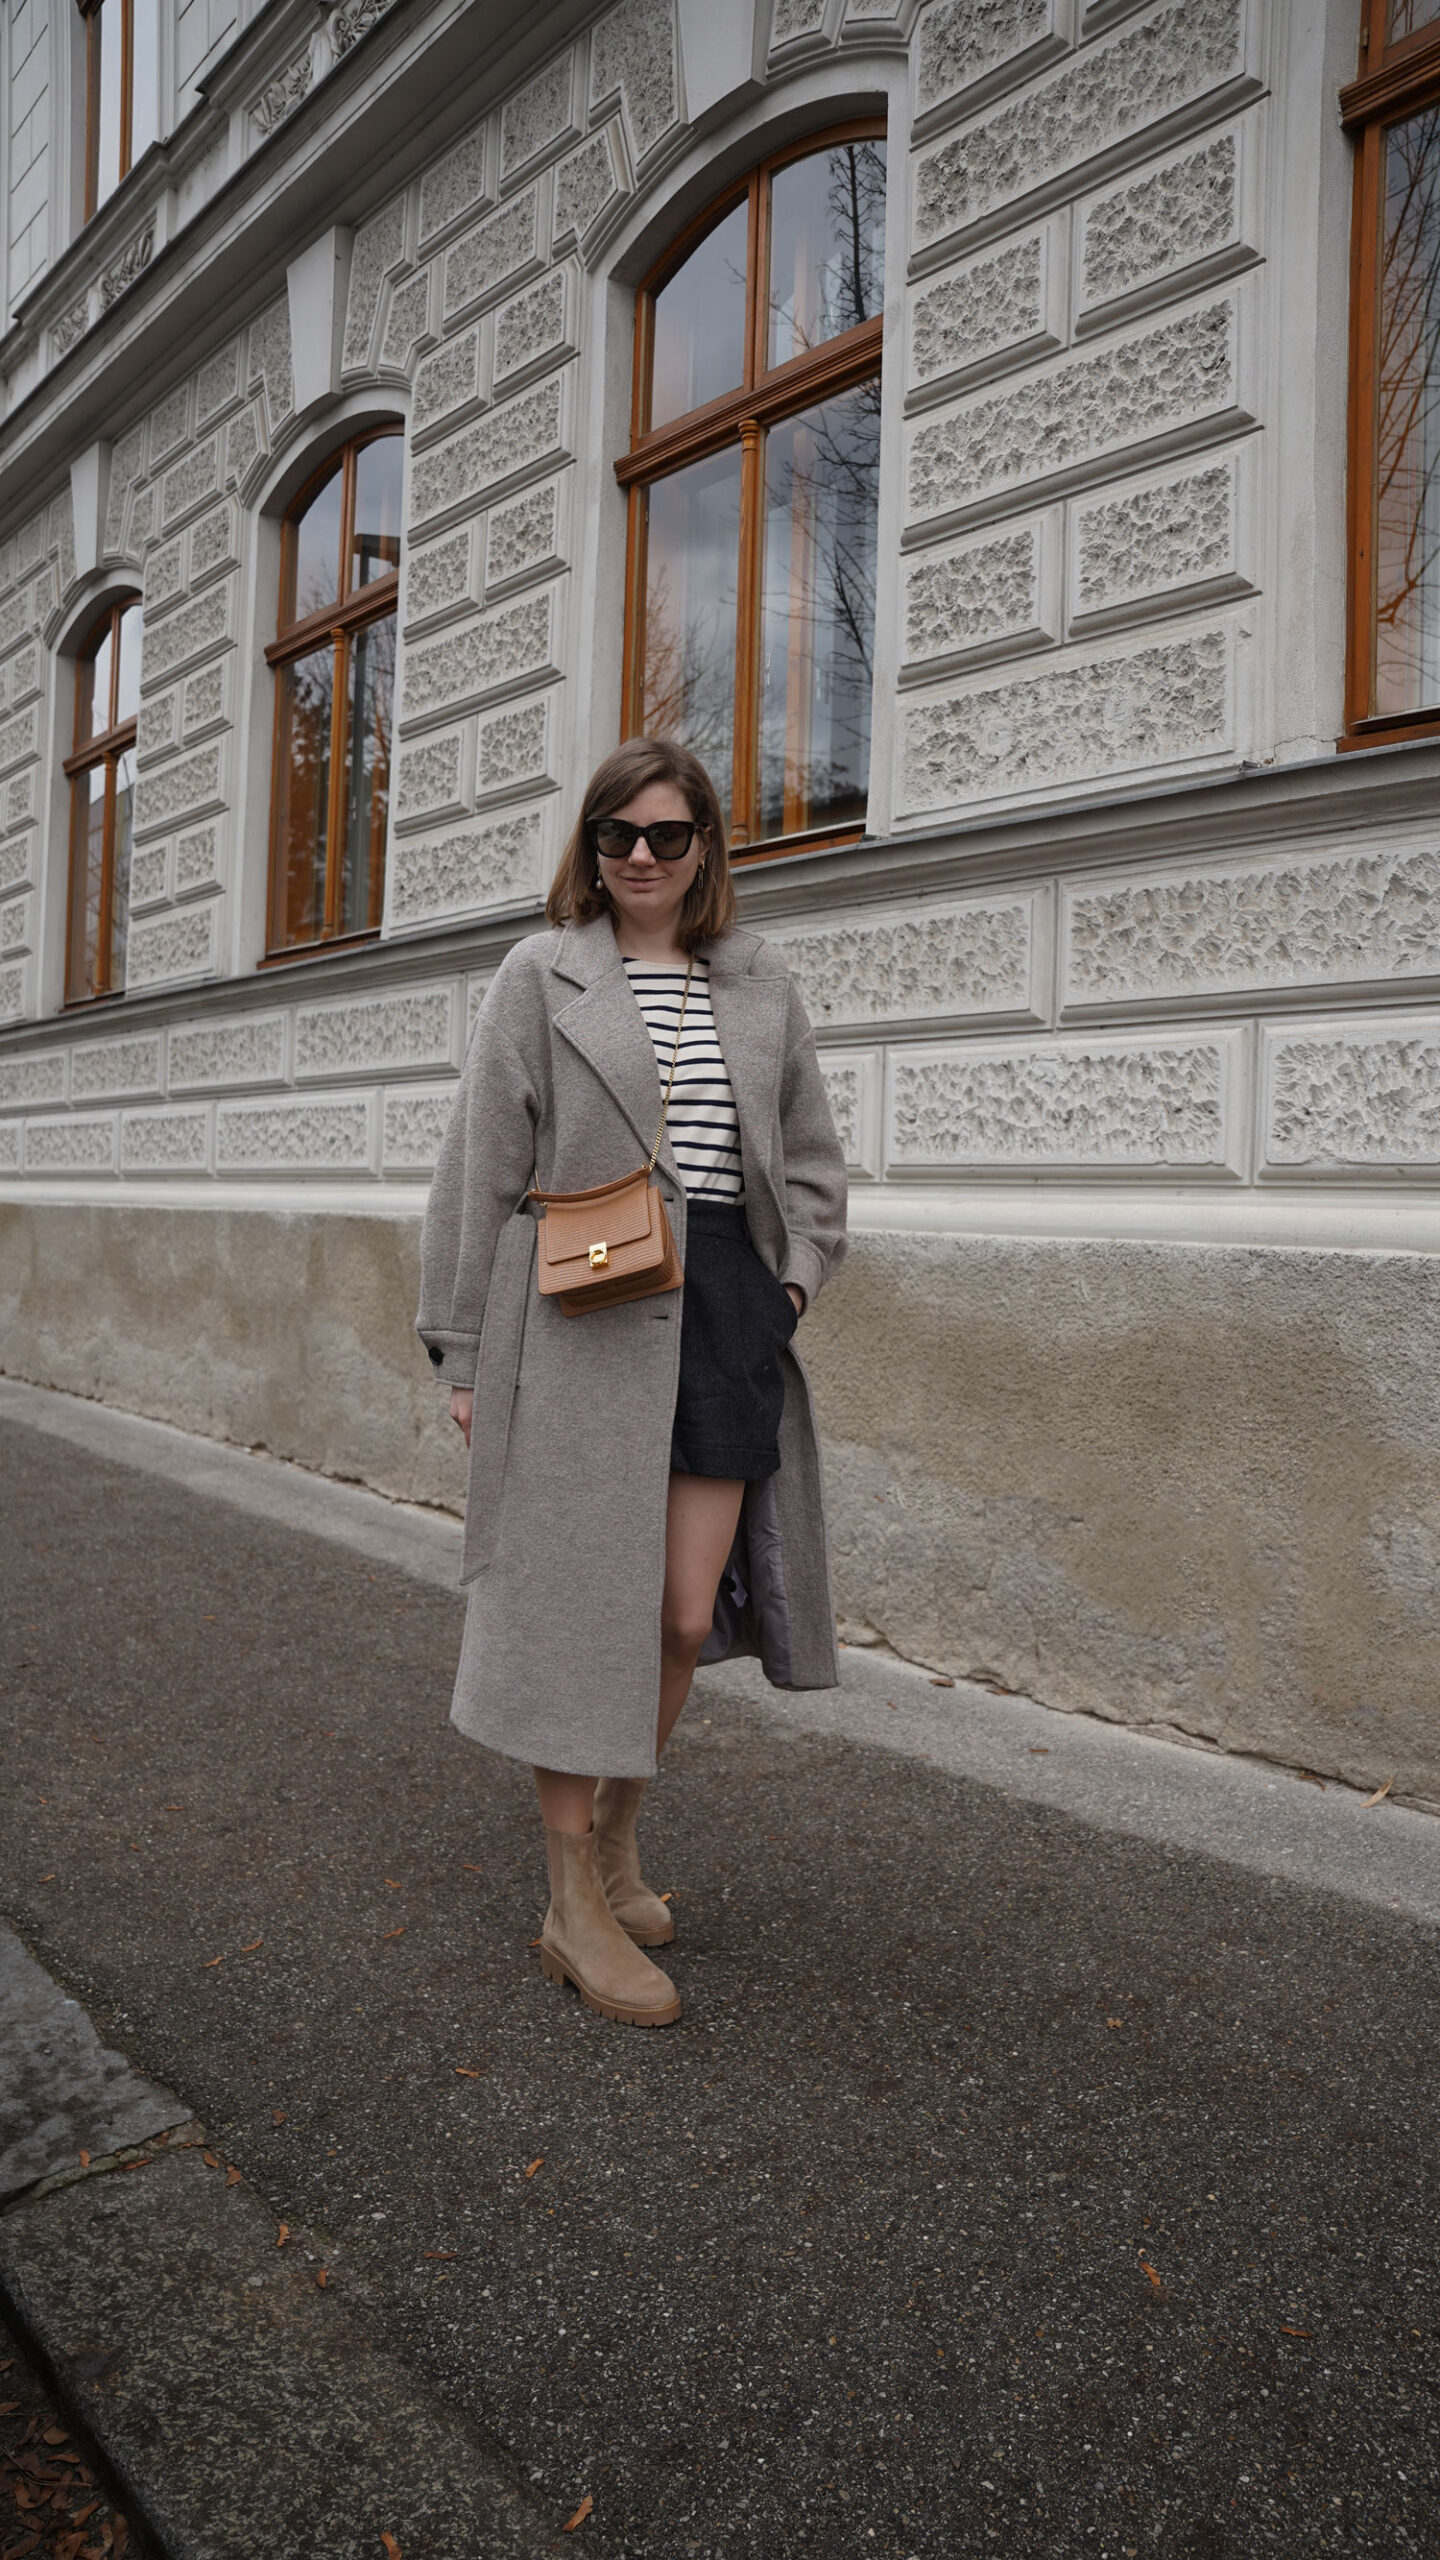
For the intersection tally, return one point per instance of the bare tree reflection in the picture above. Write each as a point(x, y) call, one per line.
point(1407, 450)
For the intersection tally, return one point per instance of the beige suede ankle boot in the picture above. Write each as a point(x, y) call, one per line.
point(582, 1941)
point(641, 1913)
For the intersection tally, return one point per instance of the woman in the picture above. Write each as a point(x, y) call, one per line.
point(644, 1481)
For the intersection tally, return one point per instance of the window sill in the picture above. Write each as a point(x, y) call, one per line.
point(811, 840)
point(309, 954)
point(1404, 731)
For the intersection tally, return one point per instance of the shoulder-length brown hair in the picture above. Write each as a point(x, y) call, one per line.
point(577, 893)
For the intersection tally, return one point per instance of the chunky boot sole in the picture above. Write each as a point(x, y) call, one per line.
point(555, 1969)
point(648, 1937)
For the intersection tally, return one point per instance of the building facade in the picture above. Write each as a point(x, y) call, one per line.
point(1004, 437)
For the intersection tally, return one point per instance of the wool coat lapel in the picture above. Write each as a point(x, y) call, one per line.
point(605, 1027)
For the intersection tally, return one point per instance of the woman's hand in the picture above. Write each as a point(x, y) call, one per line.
point(462, 1405)
point(795, 1296)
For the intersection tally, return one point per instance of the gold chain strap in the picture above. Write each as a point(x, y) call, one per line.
point(674, 1063)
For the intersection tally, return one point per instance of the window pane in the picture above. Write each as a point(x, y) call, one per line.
point(87, 851)
point(316, 540)
point(120, 865)
point(699, 347)
point(376, 548)
point(144, 74)
point(1407, 15)
point(95, 676)
point(127, 691)
point(827, 246)
point(302, 792)
point(367, 779)
point(818, 613)
point(1407, 441)
point(692, 559)
point(107, 107)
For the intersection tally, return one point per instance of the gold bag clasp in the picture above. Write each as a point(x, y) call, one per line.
point(599, 1256)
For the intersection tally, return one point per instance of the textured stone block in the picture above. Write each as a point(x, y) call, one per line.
point(790, 20)
point(101, 1069)
point(496, 253)
point(197, 861)
point(523, 536)
point(270, 361)
point(379, 249)
point(68, 1145)
point(414, 1126)
point(312, 1136)
point(488, 864)
point(17, 860)
point(1345, 916)
point(190, 482)
point(447, 381)
point(217, 384)
point(1159, 223)
point(513, 645)
point(1108, 96)
point(533, 329)
point(1362, 1095)
point(165, 1141)
point(40, 1077)
point(989, 595)
point(854, 1089)
point(407, 322)
point(587, 184)
point(169, 425)
point(155, 728)
point(12, 992)
point(966, 49)
point(165, 574)
point(1159, 384)
point(1157, 1106)
point(203, 700)
point(179, 946)
point(244, 444)
point(507, 444)
point(247, 1049)
point(17, 740)
point(191, 632)
point(1170, 537)
point(437, 580)
point(1079, 722)
point(972, 957)
point(633, 56)
point(16, 927)
point(453, 187)
point(214, 545)
point(514, 751)
point(180, 790)
point(413, 1030)
point(149, 878)
point(539, 117)
point(431, 779)
point(995, 311)
point(11, 1143)
point(21, 793)
point(127, 461)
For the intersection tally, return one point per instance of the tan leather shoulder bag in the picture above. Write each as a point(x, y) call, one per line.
point(603, 1247)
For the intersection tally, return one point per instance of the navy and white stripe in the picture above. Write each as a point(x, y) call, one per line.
point(703, 1127)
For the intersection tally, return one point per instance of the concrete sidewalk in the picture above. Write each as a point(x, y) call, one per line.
point(1046, 2154)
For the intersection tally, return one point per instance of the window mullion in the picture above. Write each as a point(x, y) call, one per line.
point(747, 630)
point(100, 973)
point(336, 810)
point(632, 680)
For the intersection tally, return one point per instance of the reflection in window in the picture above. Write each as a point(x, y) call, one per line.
point(1407, 425)
point(122, 74)
point(335, 667)
point(752, 537)
point(1407, 16)
point(101, 771)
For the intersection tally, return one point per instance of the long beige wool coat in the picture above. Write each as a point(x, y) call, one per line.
point(570, 1443)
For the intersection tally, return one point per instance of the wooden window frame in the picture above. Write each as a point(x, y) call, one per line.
point(353, 610)
point(105, 747)
point(1395, 81)
point(767, 395)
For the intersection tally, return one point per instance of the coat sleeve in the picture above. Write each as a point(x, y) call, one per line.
point(817, 1188)
point(486, 1161)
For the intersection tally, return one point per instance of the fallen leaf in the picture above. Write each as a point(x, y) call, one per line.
point(322, 2277)
point(283, 2235)
point(55, 2435)
point(462, 2072)
point(138, 2164)
point(172, 1808)
point(211, 1963)
point(1114, 2022)
point(233, 2178)
point(394, 1883)
point(84, 2159)
point(1150, 2272)
point(890, 1703)
point(394, 1933)
point(470, 1869)
point(939, 1681)
point(1379, 1796)
point(1308, 1778)
point(209, 2159)
point(1039, 1750)
point(585, 2508)
point(86, 2513)
point(667, 1897)
point(390, 2546)
point(277, 2115)
point(254, 1943)
point(440, 2253)
point(1287, 2332)
point(537, 1942)
point(8, 2408)
point(51, 1876)
point(534, 2165)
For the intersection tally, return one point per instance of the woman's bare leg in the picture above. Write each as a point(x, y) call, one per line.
point(699, 1532)
point(566, 1803)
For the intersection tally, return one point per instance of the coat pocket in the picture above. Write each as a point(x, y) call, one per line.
point(501, 1338)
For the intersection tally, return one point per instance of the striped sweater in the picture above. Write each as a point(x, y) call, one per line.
point(703, 1127)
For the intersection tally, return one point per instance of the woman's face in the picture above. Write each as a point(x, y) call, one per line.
point(646, 893)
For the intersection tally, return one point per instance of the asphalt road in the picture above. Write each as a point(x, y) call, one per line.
point(1006, 2182)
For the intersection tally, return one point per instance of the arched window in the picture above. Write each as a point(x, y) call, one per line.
point(122, 67)
point(753, 473)
point(335, 664)
point(102, 794)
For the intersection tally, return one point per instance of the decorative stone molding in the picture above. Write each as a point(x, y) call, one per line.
point(16, 936)
point(12, 992)
point(453, 187)
point(1342, 917)
point(376, 1034)
point(588, 185)
point(1181, 215)
point(165, 1141)
point(634, 56)
point(539, 117)
point(217, 385)
point(132, 262)
point(438, 582)
point(996, 312)
point(1082, 722)
point(41, 1077)
point(17, 739)
point(70, 1145)
point(953, 962)
point(508, 444)
point(1101, 1106)
point(514, 750)
point(104, 1069)
point(1150, 545)
point(312, 1136)
point(509, 647)
point(165, 574)
point(149, 878)
point(1353, 1096)
point(967, 49)
point(168, 426)
point(534, 329)
point(180, 790)
point(270, 361)
point(489, 864)
point(414, 1125)
point(447, 382)
point(214, 544)
point(11, 1135)
point(189, 633)
point(379, 249)
point(407, 322)
point(282, 95)
point(794, 21)
point(986, 597)
point(352, 20)
point(854, 1089)
point(523, 537)
point(190, 483)
point(431, 781)
point(483, 263)
point(176, 946)
point(248, 1049)
point(197, 861)
point(71, 326)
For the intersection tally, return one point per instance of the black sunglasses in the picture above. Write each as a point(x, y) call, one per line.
point(669, 839)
